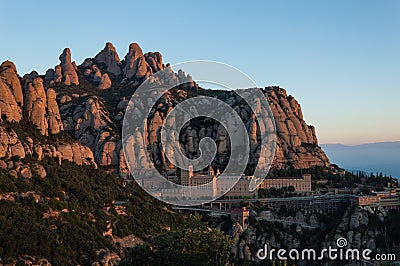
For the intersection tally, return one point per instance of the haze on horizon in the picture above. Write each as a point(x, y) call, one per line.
point(339, 59)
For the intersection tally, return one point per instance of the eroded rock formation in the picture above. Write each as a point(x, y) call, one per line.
point(68, 68)
point(11, 98)
point(66, 72)
point(41, 107)
point(95, 121)
point(110, 58)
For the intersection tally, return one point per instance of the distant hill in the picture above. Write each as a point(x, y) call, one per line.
point(372, 157)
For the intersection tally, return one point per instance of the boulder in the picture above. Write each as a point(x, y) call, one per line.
point(3, 164)
point(25, 172)
point(105, 82)
point(39, 170)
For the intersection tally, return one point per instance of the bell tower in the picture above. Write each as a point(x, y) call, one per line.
point(186, 175)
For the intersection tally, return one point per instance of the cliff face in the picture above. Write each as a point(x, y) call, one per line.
point(88, 101)
point(11, 98)
point(297, 143)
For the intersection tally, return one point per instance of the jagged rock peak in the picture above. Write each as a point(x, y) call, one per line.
point(110, 58)
point(135, 63)
point(35, 103)
point(154, 60)
point(68, 68)
point(135, 50)
point(9, 72)
point(65, 57)
point(8, 64)
point(11, 98)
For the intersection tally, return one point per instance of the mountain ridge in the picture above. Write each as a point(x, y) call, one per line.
point(369, 157)
point(88, 102)
point(362, 144)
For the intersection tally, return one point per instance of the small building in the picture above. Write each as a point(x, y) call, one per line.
point(186, 175)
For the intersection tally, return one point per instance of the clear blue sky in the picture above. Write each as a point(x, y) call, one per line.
point(340, 59)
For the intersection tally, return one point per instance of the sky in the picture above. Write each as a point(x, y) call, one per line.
point(340, 59)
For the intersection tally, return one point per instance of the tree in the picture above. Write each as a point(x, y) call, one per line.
point(199, 245)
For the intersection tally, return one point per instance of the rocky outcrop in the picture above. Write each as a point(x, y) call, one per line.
point(49, 76)
point(9, 75)
point(276, 232)
point(135, 62)
point(105, 82)
point(96, 124)
point(55, 122)
point(186, 81)
point(53, 76)
point(11, 98)
point(362, 228)
point(93, 74)
point(138, 65)
point(30, 77)
point(10, 145)
point(41, 107)
point(35, 104)
point(109, 57)
point(58, 74)
point(297, 143)
point(88, 120)
point(29, 261)
point(106, 258)
point(66, 72)
point(75, 152)
point(39, 170)
point(154, 60)
point(68, 68)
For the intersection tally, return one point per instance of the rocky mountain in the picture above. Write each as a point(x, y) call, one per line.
point(88, 102)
